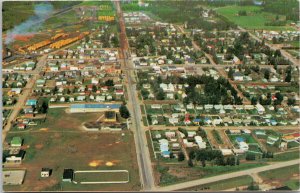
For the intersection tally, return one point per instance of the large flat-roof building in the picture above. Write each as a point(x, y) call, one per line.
point(13, 177)
point(83, 108)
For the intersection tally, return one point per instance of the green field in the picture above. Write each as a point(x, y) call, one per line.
point(284, 175)
point(255, 18)
point(24, 9)
point(286, 156)
point(293, 184)
point(224, 184)
point(59, 21)
point(180, 172)
point(100, 176)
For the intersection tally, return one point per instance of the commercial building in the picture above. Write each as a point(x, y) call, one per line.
point(84, 108)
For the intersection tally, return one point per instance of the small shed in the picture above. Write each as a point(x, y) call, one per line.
point(46, 172)
point(68, 175)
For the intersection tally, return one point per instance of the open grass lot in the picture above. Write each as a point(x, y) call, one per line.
point(59, 149)
point(59, 120)
point(286, 156)
point(289, 176)
point(255, 18)
point(293, 184)
point(61, 20)
point(25, 10)
point(224, 184)
point(167, 174)
point(100, 176)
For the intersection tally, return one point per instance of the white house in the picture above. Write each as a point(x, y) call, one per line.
point(173, 120)
point(260, 108)
point(237, 76)
point(200, 142)
point(167, 87)
point(243, 146)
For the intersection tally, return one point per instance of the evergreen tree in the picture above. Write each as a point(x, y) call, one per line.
point(124, 112)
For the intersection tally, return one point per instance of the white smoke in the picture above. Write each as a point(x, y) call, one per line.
point(31, 25)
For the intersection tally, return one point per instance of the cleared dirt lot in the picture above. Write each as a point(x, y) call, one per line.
point(64, 145)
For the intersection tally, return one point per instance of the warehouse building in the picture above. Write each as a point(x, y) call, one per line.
point(13, 177)
point(85, 108)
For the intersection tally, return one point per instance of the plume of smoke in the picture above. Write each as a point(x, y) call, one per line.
point(32, 24)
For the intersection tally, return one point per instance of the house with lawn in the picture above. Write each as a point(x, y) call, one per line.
point(16, 142)
point(242, 144)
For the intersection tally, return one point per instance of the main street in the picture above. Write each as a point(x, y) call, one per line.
point(143, 156)
point(194, 183)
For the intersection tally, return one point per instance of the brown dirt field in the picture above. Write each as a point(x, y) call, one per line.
point(212, 140)
point(226, 141)
point(39, 146)
point(287, 131)
point(76, 150)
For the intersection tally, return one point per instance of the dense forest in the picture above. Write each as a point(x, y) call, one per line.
point(289, 8)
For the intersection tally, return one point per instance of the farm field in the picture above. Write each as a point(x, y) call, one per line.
point(88, 149)
point(254, 14)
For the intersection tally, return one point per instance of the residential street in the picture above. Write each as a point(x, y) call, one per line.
point(23, 96)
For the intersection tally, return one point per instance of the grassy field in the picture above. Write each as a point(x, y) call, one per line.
point(280, 173)
point(62, 20)
point(61, 141)
point(180, 172)
point(293, 184)
point(255, 18)
point(288, 176)
point(10, 19)
point(224, 184)
point(100, 177)
point(57, 118)
point(286, 156)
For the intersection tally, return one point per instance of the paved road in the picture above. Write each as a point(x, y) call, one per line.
point(143, 156)
point(193, 183)
point(22, 97)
